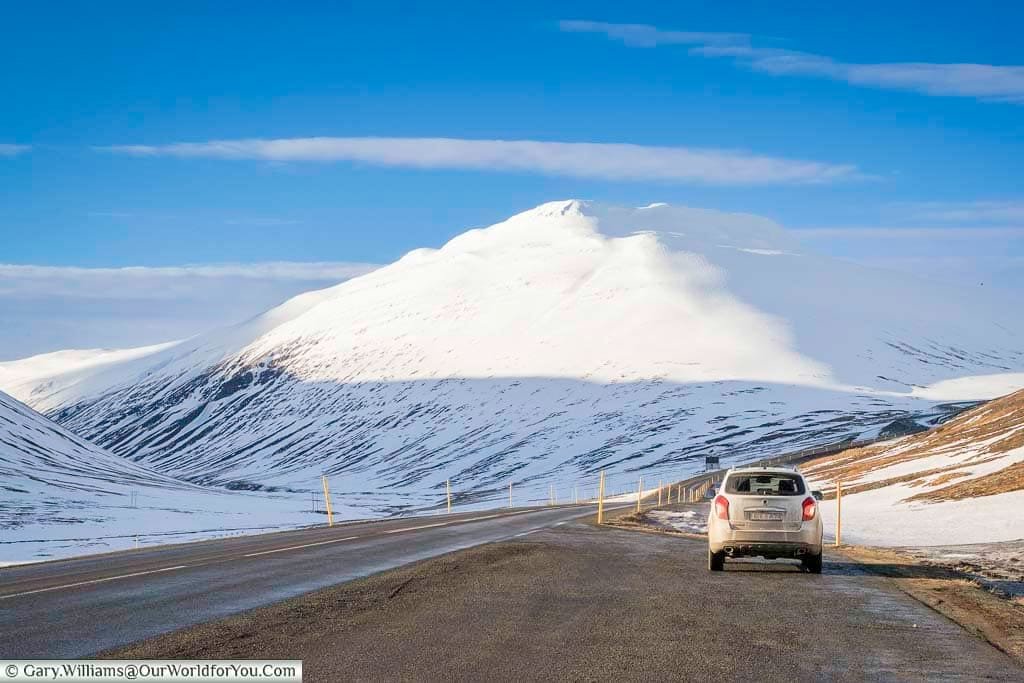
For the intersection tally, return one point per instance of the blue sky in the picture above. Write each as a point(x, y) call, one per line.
point(849, 124)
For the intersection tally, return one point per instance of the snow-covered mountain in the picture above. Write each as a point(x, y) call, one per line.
point(62, 495)
point(39, 456)
point(568, 338)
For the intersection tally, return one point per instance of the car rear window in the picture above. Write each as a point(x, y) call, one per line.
point(765, 484)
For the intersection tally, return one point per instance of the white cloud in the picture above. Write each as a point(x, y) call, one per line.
point(13, 150)
point(978, 211)
point(267, 222)
point(606, 161)
point(926, 233)
point(244, 221)
point(46, 308)
point(644, 35)
point(159, 276)
point(981, 81)
point(110, 214)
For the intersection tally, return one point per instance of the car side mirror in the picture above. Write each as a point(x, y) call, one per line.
point(711, 493)
point(818, 495)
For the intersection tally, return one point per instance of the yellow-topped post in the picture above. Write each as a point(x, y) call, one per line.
point(839, 513)
point(327, 501)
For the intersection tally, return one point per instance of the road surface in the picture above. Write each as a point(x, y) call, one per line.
point(580, 602)
point(77, 607)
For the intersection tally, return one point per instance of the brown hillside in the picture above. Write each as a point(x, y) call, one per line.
point(986, 434)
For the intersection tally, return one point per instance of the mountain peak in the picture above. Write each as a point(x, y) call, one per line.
point(680, 228)
point(558, 208)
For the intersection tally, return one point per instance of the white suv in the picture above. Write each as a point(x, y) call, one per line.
point(765, 512)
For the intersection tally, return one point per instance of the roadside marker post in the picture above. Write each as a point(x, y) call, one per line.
point(510, 494)
point(839, 513)
point(639, 493)
point(327, 501)
point(660, 487)
point(448, 493)
point(600, 499)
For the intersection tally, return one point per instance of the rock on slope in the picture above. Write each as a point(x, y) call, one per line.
point(568, 338)
point(962, 482)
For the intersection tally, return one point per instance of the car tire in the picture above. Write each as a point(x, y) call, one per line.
point(812, 563)
point(716, 561)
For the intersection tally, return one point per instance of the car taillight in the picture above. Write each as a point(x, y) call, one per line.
point(809, 508)
point(721, 507)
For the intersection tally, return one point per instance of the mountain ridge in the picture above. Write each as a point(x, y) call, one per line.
point(569, 337)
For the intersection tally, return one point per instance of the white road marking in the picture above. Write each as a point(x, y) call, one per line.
point(306, 545)
point(416, 528)
point(88, 583)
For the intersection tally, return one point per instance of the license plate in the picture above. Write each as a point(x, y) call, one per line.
point(766, 516)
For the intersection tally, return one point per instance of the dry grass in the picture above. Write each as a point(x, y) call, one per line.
point(992, 430)
point(945, 478)
point(1005, 480)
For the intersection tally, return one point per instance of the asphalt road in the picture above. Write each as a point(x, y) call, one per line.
point(580, 602)
point(77, 607)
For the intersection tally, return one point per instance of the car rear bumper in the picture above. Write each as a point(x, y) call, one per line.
point(767, 549)
point(723, 537)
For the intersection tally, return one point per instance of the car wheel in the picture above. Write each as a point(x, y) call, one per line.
point(812, 563)
point(716, 561)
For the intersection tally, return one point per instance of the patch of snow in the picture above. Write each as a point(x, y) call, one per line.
point(880, 517)
point(690, 521)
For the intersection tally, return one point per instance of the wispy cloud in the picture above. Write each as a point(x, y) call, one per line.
point(964, 212)
point(47, 308)
point(110, 214)
point(915, 233)
point(266, 222)
point(7, 150)
point(644, 35)
point(981, 81)
point(245, 221)
point(52, 277)
point(605, 161)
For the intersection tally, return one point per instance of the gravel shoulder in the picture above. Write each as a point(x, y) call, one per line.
point(580, 602)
